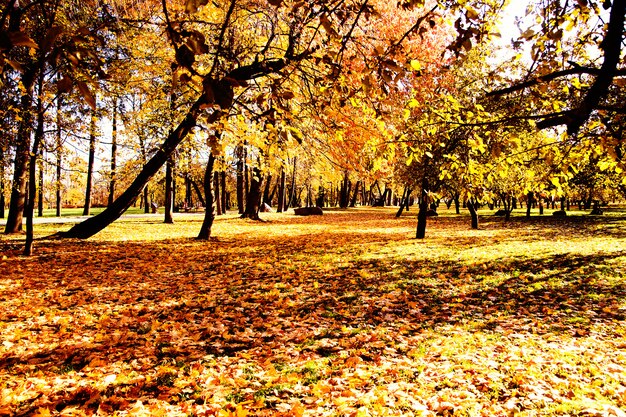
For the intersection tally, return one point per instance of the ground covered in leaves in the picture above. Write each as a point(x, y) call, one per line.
point(340, 315)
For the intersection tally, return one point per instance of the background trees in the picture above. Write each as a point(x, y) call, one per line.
point(306, 103)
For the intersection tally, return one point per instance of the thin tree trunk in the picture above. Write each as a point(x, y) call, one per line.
point(2, 202)
point(240, 180)
point(529, 202)
point(216, 188)
point(209, 215)
point(199, 192)
point(355, 195)
point(405, 196)
point(169, 193)
point(40, 182)
point(59, 152)
point(223, 192)
point(113, 154)
point(32, 190)
point(90, 164)
point(281, 191)
point(266, 191)
point(292, 191)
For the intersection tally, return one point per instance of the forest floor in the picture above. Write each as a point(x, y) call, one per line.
point(340, 315)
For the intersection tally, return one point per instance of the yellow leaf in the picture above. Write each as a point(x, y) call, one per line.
point(415, 65)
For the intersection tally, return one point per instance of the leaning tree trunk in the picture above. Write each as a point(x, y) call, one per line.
point(209, 214)
point(93, 225)
point(90, 165)
point(404, 202)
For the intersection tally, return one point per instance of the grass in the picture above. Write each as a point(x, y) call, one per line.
point(344, 315)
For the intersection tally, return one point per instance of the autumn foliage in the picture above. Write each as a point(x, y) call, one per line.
point(343, 314)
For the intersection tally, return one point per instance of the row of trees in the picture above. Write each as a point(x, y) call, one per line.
point(309, 102)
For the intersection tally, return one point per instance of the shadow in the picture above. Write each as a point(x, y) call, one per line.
point(179, 300)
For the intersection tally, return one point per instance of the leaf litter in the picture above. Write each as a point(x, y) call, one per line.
point(344, 315)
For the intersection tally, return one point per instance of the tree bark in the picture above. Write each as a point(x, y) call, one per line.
point(471, 206)
point(169, 191)
point(529, 202)
point(266, 191)
point(292, 190)
point(254, 196)
point(40, 182)
point(22, 155)
point(59, 152)
point(209, 215)
point(2, 202)
point(281, 191)
point(240, 180)
point(113, 154)
point(90, 164)
point(422, 218)
point(405, 195)
point(225, 204)
point(32, 168)
point(216, 188)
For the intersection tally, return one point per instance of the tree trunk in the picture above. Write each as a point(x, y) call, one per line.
point(40, 182)
point(529, 202)
point(59, 152)
point(22, 155)
point(32, 189)
point(240, 180)
point(169, 192)
point(113, 154)
point(266, 191)
point(90, 164)
point(225, 204)
point(281, 191)
point(199, 192)
point(421, 217)
point(254, 196)
point(405, 195)
point(216, 191)
point(292, 190)
point(209, 215)
point(344, 193)
point(2, 202)
point(457, 204)
point(355, 194)
point(471, 206)
point(95, 224)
